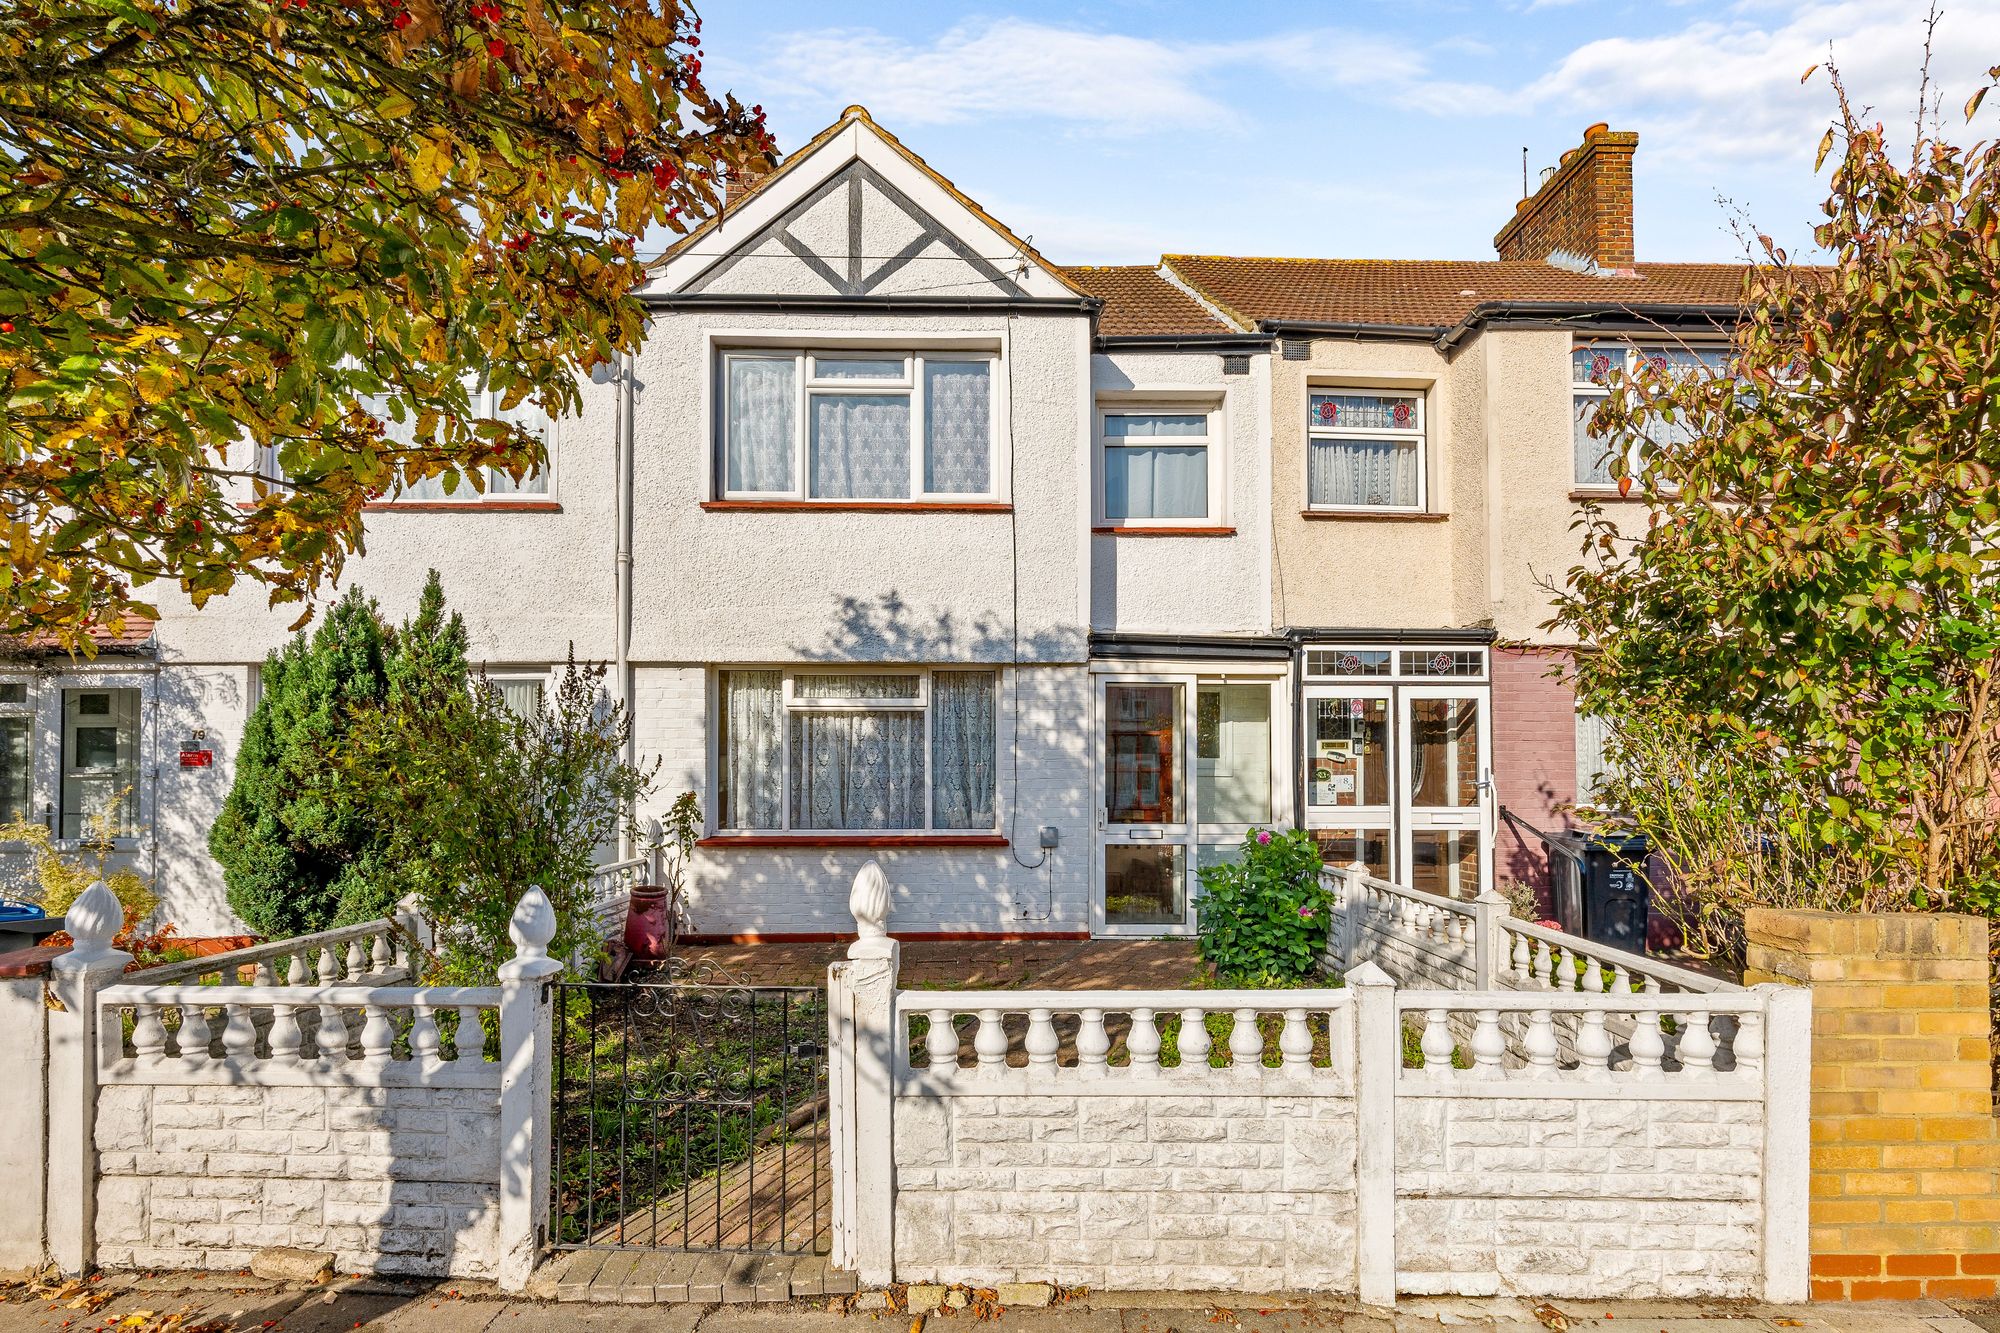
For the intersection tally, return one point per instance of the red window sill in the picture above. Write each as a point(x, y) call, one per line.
point(1165, 532)
point(768, 840)
point(1368, 516)
point(464, 507)
point(860, 506)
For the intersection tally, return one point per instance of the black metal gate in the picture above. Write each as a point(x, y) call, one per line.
point(691, 1117)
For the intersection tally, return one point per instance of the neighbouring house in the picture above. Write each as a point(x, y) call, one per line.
point(1041, 584)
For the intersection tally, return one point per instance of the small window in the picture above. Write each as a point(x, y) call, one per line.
point(1158, 468)
point(17, 723)
point(1348, 662)
point(1592, 366)
point(1443, 662)
point(863, 751)
point(861, 427)
point(522, 695)
point(1364, 450)
point(486, 405)
point(1593, 736)
point(100, 763)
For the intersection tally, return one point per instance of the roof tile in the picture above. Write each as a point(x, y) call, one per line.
point(1138, 302)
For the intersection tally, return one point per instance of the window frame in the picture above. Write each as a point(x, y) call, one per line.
point(1419, 434)
point(25, 712)
point(1211, 441)
point(790, 704)
point(1580, 390)
point(807, 383)
point(131, 828)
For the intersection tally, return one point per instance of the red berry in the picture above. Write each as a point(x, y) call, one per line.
point(6, 326)
point(401, 22)
point(496, 48)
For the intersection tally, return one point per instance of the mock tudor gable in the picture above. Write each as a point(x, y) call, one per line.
point(856, 215)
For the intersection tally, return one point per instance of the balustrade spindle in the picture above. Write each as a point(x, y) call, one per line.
point(1544, 965)
point(1593, 976)
point(194, 1036)
point(1246, 1043)
point(1489, 1045)
point(239, 1032)
point(149, 1033)
point(469, 1042)
point(1647, 1045)
point(1652, 986)
point(1520, 963)
point(1593, 1046)
point(355, 963)
point(1565, 973)
point(1042, 1043)
point(285, 1035)
point(1143, 1042)
point(990, 1042)
point(1749, 1046)
point(1539, 1044)
point(378, 1034)
point(403, 955)
point(1696, 1047)
point(1621, 981)
point(1093, 1044)
point(262, 975)
point(1194, 1043)
point(328, 973)
point(941, 1042)
point(1295, 1042)
point(426, 1042)
point(1437, 1044)
point(379, 956)
point(295, 974)
point(331, 1039)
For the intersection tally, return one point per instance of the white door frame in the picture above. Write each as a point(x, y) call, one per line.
point(1369, 817)
point(1479, 818)
point(1107, 834)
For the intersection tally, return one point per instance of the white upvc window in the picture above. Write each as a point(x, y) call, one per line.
point(876, 750)
point(1161, 467)
point(1365, 449)
point(100, 762)
point(1591, 367)
point(17, 750)
point(857, 426)
point(485, 403)
point(521, 694)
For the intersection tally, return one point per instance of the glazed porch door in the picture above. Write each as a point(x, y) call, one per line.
point(1145, 826)
point(1446, 789)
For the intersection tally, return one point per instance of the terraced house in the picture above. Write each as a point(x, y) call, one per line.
point(1043, 585)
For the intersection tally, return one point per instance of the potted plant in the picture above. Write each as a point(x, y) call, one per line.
point(652, 915)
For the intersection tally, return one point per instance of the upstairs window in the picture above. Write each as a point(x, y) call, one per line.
point(1591, 368)
point(1158, 468)
point(485, 404)
point(1364, 450)
point(862, 427)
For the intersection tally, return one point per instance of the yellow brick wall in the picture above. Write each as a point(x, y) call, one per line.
point(1906, 1149)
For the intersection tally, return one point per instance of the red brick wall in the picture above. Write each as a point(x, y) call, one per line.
point(1534, 758)
point(1585, 208)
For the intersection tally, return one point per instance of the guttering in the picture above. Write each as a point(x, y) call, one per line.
point(1210, 647)
point(1185, 342)
point(1624, 316)
point(1397, 637)
point(1358, 331)
point(1023, 305)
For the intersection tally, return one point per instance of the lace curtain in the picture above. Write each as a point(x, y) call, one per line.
point(753, 728)
point(962, 749)
point(958, 418)
point(858, 770)
point(1360, 473)
point(761, 424)
point(860, 446)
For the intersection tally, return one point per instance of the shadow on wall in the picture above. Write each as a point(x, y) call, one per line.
point(884, 629)
point(205, 710)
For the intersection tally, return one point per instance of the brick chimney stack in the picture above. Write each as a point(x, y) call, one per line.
point(1583, 209)
point(737, 185)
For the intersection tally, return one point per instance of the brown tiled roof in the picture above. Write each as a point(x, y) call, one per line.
point(1432, 292)
point(132, 636)
point(1139, 302)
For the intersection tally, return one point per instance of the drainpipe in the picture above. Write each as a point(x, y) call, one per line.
point(622, 572)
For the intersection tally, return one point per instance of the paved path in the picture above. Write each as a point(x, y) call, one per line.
point(995, 964)
point(236, 1305)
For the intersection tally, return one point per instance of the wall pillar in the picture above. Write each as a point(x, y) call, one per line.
point(74, 1040)
point(1378, 1063)
point(527, 1051)
point(24, 1112)
point(1905, 1159)
point(862, 1022)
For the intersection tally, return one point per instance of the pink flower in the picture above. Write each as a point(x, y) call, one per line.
point(1305, 914)
point(1263, 837)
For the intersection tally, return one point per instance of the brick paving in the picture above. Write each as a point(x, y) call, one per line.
point(982, 965)
point(177, 1303)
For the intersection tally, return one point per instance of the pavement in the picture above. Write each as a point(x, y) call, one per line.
point(189, 1303)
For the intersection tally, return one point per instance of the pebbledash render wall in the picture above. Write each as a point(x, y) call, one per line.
point(387, 1179)
point(1905, 1143)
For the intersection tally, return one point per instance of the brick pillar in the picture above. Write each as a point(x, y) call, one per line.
point(1906, 1149)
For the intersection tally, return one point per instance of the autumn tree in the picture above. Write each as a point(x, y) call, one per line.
point(1815, 605)
point(257, 258)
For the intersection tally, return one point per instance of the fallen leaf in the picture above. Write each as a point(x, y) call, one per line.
point(1552, 1318)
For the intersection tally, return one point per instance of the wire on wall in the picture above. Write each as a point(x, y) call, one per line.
point(1045, 861)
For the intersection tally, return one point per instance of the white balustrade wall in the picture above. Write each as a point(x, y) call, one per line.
point(295, 1094)
point(1630, 1134)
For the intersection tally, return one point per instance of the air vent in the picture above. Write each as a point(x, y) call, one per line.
point(1297, 349)
point(1236, 363)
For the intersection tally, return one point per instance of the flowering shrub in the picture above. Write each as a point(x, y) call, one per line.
point(1264, 915)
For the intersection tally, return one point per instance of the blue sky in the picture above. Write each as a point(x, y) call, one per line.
point(1114, 131)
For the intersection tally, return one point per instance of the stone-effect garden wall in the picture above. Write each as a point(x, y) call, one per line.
point(1562, 1196)
point(388, 1179)
point(1127, 1192)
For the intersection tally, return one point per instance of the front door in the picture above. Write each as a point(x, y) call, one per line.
point(1446, 789)
point(1145, 828)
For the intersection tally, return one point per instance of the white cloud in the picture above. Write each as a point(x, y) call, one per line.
point(1111, 82)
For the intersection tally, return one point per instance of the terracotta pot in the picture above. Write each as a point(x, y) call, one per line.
point(649, 922)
